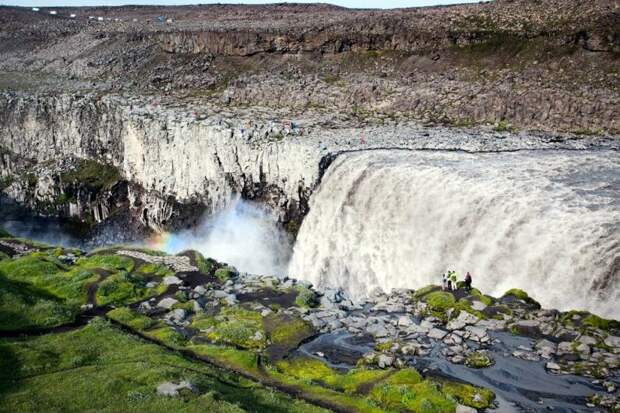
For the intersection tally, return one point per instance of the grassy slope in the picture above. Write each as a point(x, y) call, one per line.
point(100, 368)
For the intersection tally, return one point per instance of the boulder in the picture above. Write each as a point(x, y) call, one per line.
point(167, 303)
point(613, 341)
point(528, 328)
point(384, 361)
point(172, 280)
point(172, 389)
point(437, 333)
point(464, 409)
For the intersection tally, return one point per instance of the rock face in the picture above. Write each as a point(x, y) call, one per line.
point(167, 164)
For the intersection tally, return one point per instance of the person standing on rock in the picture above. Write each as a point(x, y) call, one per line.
point(468, 281)
point(444, 282)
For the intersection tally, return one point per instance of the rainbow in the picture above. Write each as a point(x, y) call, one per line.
point(164, 241)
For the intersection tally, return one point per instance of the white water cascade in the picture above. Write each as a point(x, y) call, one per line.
point(544, 221)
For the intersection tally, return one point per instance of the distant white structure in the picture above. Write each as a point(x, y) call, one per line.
point(72, 16)
point(35, 9)
point(135, 20)
point(91, 17)
point(100, 19)
point(53, 12)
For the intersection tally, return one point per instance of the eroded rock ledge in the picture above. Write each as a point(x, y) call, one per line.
point(167, 163)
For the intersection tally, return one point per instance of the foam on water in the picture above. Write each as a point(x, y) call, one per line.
point(546, 222)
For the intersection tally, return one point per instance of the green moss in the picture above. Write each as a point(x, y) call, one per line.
point(240, 360)
point(204, 265)
point(156, 270)
point(522, 295)
point(96, 176)
point(35, 291)
point(426, 290)
point(167, 335)
point(468, 395)
point(306, 298)
point(226, 273)
point(130, 318)
point(101, 369)
point(478, 360)
point(239, 327)
point(439, 300)
point(287, 332)
point(422, 397)
point(106, 262)
point(4, 234)
point(315, 371)
point(125, 288)
point(586, 319)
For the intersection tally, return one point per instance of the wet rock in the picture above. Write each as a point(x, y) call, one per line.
point(553, 366)
point(464, 409)
point(613, 341)
point(546, 348)
point(172, 280)
point(437, 333)
point(384, 361)
point(167, 303)
point(478, 305)
point(378, 330)
point(405, 321)
point(200, 290)
point(528, 328)
point(464, 318)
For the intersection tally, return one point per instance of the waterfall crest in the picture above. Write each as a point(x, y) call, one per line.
point(544, 221)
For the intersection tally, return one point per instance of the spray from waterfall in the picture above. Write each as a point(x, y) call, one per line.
point(244, 235)
point(546, 222)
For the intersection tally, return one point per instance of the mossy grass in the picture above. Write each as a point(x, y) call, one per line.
point(156, 270)
point(226, 273)
point(106, 262)
point(131, 319)
point(4, 233)
point(94, 175)
point(287, 332)
point(306, 298)
point(468, 395)
point(238, 327)
point(478, 360)
point(523, 296)
point(38, 292)
point(587, 319)
point(125, 288)
point(205, 265)
point(100, 368)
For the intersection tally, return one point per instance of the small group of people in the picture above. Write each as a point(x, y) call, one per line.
point(449, 281)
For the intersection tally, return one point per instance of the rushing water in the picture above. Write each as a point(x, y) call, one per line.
point(544, 221)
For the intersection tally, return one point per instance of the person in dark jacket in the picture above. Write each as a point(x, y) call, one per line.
point(468, 281)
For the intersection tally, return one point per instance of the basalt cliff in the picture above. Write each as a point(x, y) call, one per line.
point(189, 107)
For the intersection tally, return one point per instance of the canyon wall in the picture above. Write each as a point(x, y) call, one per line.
point(171, 160)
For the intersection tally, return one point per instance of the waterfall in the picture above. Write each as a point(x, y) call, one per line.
point(544, 221)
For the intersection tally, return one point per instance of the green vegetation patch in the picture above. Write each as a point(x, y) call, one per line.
point(306, 298)
point(36, 291)
point(156, 270)
point(4, 233)
point(522, 295)
point(420, 397)
point(126, 288)
point(239, 327)
point(131, 319)
point(476, 397)
point(315, 371)
point(226, 273)
point(100, 368)
point(96, 176)
point(586, 319)
point(286, 333)
point(478, 360)
point(205, 265)
point(106, 262)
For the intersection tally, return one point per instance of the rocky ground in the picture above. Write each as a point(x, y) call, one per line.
point(446, 350)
